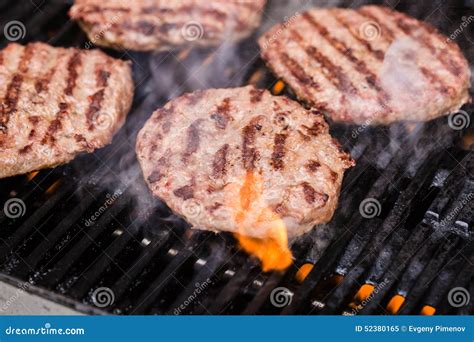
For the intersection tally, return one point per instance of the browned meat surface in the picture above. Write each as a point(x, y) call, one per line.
point(242, 160)
point(162, 25)
point(371, 65)
point(56, 103)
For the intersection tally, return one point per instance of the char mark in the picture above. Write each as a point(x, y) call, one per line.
point(186, 192)
point(56, 124)
point(100, 9)
point(279, 151)
point(256, 95)
point(148, 28)
point(216, 14)
point(80, 139)
point(142, 26)
point(313, 165)
point(10, 102)
point(102, 79)
point(214, 207)
point(193, 141)
point(155, 176)
point(335, 73)
point(25, 149)
point(250, 154)
point(222, 114)
point(165, 112)
point(316, 129)
point(345, 51)
point(73, 64)
point(159, 169)
point(297, 71)
point(220, 162)
point(94, 108)
point(43, 83)
point(378, 54)
point(194, 97)
point(311, 196)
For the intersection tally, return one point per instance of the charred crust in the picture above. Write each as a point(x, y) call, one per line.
point(250, 154)
point(279, 151)
point(256, 95)
point(222, 114)
point(73, 64)
point(313, 166)
point(186, 192)
point(193, 140)
point(155, 176)
point(311, 196)
point(220, 162)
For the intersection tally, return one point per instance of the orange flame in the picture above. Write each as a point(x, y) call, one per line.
point(272, 250)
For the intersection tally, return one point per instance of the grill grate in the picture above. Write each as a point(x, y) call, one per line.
point(92, 223)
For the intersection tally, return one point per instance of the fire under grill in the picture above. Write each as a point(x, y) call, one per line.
point(400, 241)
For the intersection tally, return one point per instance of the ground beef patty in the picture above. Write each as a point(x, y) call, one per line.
point(57, 103)
point(162, 25)
point(369, 65)
point(242, 160)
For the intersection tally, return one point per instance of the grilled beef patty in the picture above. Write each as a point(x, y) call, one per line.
point(242, 160)
point(57, 103)
point(368, 66)
point(162, 25)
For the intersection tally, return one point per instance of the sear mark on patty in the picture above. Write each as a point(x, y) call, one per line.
point(250, 154)
point(193, 140)
point(313, 165)
point(222, 115)
point(311, 196)
point(220, 162)
point(256, 95)
point(186, 192)
point(279, 151)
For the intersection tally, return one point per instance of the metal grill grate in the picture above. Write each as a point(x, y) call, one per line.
point(92, 224)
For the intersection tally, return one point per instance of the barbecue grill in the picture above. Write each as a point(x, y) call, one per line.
point(89, 234)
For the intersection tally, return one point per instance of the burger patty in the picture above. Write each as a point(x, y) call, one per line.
point(370, 65)
point(162, 25)
point(57, 103)
point(242, 160)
